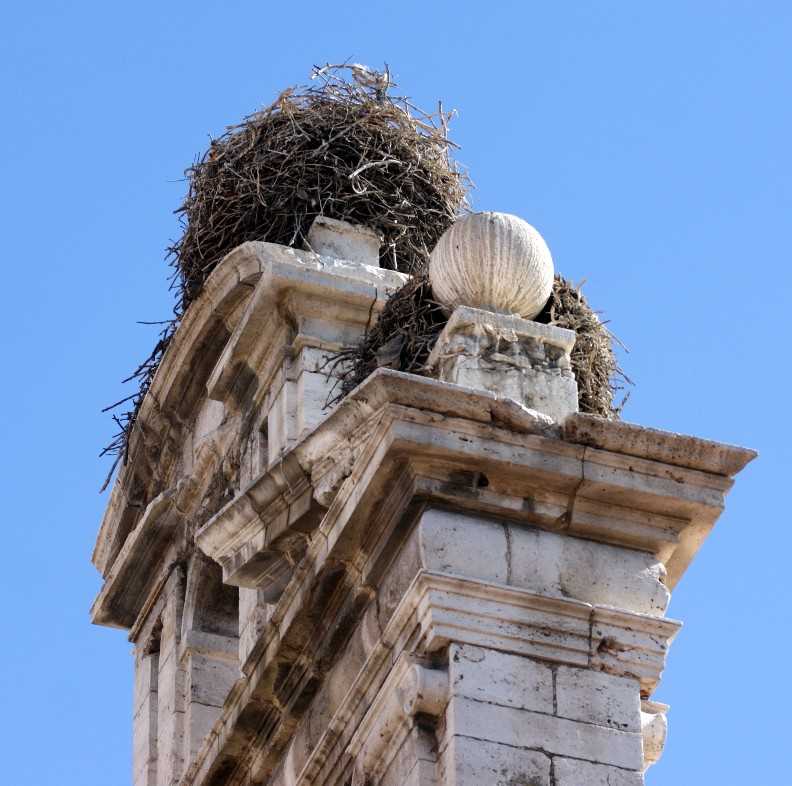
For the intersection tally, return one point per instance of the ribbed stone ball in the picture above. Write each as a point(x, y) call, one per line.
point(493, 261)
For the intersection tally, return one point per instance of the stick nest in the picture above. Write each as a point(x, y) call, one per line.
point(342, 148)
point(411, 322)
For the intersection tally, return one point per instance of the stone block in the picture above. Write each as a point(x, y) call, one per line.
point(209, 680)
point(415, 762)
point(509, 356)
point(496, 677)
point(463, 544)
point(574, 772)
point(595, 697)
point(146, 676)
point(170, 747)
point(282, 421)
point(144, 744)
point(314, 392)
point(198, 719)
point(557, 736)
point(398, 578)
point(342, 240)
point(474, 762)
point(564, 566)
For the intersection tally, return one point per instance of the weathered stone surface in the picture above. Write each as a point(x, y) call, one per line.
point(511, 357)
point(499, 678)
point(593, 572)
point(521, 728)
point(543, 562)
point(654, 730)
point(454, 543)
point(494, 261)
point(422, 584)
point(472, 762)
point(574, 772)
point(342, 240)
point(595, 697)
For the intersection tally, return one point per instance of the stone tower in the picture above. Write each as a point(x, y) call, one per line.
point(454, 579)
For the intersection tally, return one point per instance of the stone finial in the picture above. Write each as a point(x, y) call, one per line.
point(492, 261)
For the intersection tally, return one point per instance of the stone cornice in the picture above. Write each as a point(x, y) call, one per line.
point(441, 432)
point(126, 587)
point(667, 447)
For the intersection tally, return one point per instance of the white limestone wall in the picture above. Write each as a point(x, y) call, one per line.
point(511, 720)
point(543, 562)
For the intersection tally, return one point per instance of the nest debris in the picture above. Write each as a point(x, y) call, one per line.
point(599, 376)
point(412, 320)
point(344, 148)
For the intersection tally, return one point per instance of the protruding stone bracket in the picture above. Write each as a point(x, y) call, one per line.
point(513, 357)
point(125, 588)
point(411, 689)
point(654, 730)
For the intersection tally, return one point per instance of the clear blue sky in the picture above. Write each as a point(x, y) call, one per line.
point(649, 143)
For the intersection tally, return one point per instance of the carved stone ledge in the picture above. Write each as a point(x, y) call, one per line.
point(126, 586)
point(509, 619)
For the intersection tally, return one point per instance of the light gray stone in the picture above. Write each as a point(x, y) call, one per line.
point(431, 568)
point(462, 544)
point(595, 697)
point(492, 260)
point(473, 762)
point(512, 357)
point(574, 772)
point(342, 240)
point(522, 728)
point(497, 677)
point(564, 566)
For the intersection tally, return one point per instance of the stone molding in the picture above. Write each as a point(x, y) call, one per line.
point(547, 482)
point(510, 619)
point(126, 588)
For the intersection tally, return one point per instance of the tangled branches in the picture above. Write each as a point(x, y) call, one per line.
point(344, 149)
point(599, 377)
point(341, 148)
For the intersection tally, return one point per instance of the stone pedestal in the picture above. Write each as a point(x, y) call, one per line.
point(512, 357)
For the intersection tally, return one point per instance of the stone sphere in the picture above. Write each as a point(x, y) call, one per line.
point(493, 261)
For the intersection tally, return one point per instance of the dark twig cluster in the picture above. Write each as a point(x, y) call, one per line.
point(401, 338)
point(342, 148)
point(142, 376)
point(411, 321)
point(597, 371)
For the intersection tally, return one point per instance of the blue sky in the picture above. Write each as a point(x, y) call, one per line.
point(649, 143)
